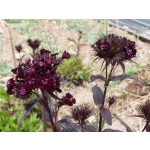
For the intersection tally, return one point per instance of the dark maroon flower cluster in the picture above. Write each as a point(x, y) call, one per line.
point(39, 73)
point(113, 47)
point(111, 100)
point(145, 111)
point(69, 100)
point(18, 48)
point(82, 112)
point(33, 44)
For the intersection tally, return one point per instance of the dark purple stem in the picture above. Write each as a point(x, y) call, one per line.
point(45, 104)
point(145, 126)
point(105, 91)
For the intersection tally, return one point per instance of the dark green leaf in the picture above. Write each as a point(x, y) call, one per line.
point(95, 77)
point(97, 95)
point(126, 76)
point(106, 115)
point(65, 122)
point(88, 128)
point(122, 66)
point(28, 107)
point(111, 130)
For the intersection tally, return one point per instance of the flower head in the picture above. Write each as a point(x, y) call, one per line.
point(69, 100)
point(82, 112)
point(111, 100)
point(18, 48)
point(113, 47)
point(33, 44)
point(40, 73)
point(144, 111)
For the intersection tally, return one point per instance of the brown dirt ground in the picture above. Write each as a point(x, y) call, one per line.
point(124, 107)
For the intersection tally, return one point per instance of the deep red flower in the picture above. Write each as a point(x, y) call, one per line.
point(111, 100)
point(113, 47)
point(24, 91)
point(18, 48)
point(10, 86)
point(40, 73)
point(44, 82)
point(33, 44)
point(65, 55)
point(69, 100)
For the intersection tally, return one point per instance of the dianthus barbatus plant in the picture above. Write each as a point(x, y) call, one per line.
point(114, 51)
point(40, 74)
point(144, 113)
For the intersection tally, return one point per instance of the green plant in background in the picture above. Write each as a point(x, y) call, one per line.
point(133, 71)
point(5, 68)
point(11, 21)
point(9, 119)
point(77, 42)
point(93, 35)
point(47, 41)
point(22, 26)
point(73, 25)
point(4, 95)
point(148, 61)
point(124, 93)
point(74, 70)
point(9, 123)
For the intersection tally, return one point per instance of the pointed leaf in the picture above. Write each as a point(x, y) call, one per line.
point(46, 117)
point(106, 115)
point(126, 76)
point(95, 77)
point(122, 66)
point(65, 122)
point(88, 128)
point(28, 107)
point(111, 130)
point(69, 130)
point(127, 127)
point(97, 95)
point(141, 116)
point(148, 128)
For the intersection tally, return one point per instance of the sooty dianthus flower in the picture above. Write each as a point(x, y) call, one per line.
point(144, 111)
point(33, 44)
point(18, 48)
point(113, 47)
point(40, 73)
point(111, 100)
point(69, 100)
point(82, 112)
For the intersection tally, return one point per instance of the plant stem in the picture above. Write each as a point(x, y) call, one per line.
point(45, 105)
point(145, 126)
point(100, 124)
point(43, 120)
point(105, 91)
point(106, 82)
